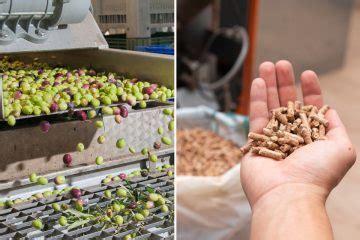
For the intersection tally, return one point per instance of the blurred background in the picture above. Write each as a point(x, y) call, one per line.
point(222, 42)
point(142, 25)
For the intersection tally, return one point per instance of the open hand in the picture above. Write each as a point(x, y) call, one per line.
point(317, 167)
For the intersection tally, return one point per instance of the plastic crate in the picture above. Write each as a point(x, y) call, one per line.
point(161, 49)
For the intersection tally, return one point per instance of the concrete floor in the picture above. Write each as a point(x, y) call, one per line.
point(342, 91)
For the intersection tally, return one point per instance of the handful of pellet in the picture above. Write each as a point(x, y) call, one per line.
point(289, 128)
point(202, 152)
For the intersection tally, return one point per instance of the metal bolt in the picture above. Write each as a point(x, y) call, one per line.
point(40, 33)
point(3, 34)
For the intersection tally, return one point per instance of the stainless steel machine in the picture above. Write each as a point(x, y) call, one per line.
point(64, 32)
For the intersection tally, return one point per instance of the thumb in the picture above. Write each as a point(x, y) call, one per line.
point(336, 130)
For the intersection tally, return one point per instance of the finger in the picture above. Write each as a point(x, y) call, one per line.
point(311, 90)
point(267, 72)
point(336, 130)
point(285, 82)
point(258, 105)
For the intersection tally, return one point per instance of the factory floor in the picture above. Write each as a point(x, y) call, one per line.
point(342, 91)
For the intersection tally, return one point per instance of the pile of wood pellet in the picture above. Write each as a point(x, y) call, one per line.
point(202, 152)
point(289, 128)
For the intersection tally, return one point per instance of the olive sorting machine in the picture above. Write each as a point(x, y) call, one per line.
point(64, 32)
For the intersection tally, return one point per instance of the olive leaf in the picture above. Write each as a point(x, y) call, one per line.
point(78, 224)
point(136, 194)
point(77, 213)
point(150, 189)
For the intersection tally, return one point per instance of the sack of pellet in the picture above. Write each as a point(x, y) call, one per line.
point(211, 203)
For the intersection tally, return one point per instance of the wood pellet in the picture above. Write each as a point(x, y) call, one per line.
point(202, 152)
point(288, 129)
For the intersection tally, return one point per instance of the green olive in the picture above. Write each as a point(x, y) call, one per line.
point(153, 158)
point(160, 130)
point(11, 120)
point(37, 224)
point(132, 150)
point(42, 181)
point(80, 147)
point(171, 125)
point(121, 192)
point(142, 104)
point(144, 151)
point(63, 221)
point(99, 124)
point(166, 140)
point(119, 220)
point(99, 160)
point(33, 178)
point(101, 139)
point(120, 143)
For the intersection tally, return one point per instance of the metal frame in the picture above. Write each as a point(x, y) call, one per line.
point(15, 222)
point(31, 20)
point(145, 66)
point(25, 154)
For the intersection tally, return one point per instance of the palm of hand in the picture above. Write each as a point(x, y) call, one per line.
point(322, 163)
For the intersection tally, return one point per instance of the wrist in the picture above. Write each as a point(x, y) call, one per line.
point(279, 213)
point(291, 193)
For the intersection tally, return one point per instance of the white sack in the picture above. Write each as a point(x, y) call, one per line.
point(212, 208)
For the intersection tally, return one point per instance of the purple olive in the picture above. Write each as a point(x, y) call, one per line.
point(67, 159)
point(76, 193)
point(148, 90)
point(54, 107)
point(86, 86)
point(56, 84)
point(57, 75)
point(40, 71)
point(132, 205)
point(91, 72)
point(157, 145)
point(122, 176)
point(124, 112)
point(117, 111)
point(144, 173)
point(45, 126)
point(67, 91)
point(17, 94)
point(82, 115)
point(45, 83)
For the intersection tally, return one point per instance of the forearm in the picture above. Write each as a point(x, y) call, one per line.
point(291, 212)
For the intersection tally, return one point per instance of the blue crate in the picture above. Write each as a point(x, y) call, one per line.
point(162, 49)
